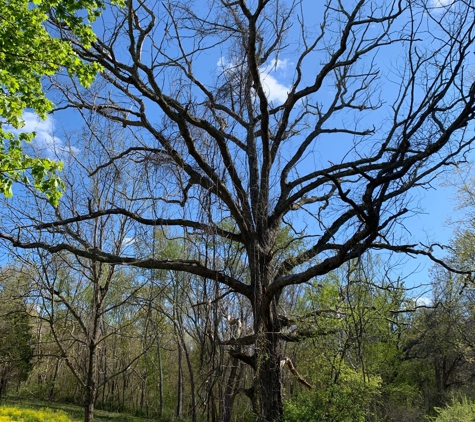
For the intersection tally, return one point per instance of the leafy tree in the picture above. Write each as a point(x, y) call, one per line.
point(353, 349)
point(16, 351)
point(28, 53)
point(16, 338)
point(334, 154)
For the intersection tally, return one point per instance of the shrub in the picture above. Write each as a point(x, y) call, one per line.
point(462, 410)
point(348, 400)
point(11, 414)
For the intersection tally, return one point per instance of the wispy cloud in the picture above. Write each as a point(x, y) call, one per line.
point(271, 75)
point(128, 241)
point(45, 142)
point(423, 301)
point(441, 3)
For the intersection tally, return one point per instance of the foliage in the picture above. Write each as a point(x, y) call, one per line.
point(28, 53)
point(16, 350)
point(75, 413)
point(353, 356)
point(347, 400)
point(16, 339)
point(462, 410)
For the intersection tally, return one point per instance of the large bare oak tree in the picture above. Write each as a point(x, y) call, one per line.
point(376, 98)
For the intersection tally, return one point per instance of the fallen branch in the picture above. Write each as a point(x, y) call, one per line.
point(294, 371)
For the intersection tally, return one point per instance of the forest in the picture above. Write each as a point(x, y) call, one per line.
point(206, 208)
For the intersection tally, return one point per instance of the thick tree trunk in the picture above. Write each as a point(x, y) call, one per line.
point(266, 393)
point(91, 386)
point(89, 405)
point(267, 388)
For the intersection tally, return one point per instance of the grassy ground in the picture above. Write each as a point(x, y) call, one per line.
point(74, 412)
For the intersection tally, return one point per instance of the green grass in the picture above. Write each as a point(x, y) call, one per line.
point(74, 413)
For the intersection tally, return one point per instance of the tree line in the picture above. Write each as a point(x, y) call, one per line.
point(158, 345)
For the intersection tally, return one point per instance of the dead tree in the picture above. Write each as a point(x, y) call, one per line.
point(376, 98)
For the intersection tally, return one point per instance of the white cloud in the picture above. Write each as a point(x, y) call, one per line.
point(279, 64)
point(423, 301)
point(223, 63)
point(45, 142)
point(441, 3)
point(274, 90)
point(270, 73)
point(128, 241)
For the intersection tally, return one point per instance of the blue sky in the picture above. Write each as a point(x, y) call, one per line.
point(435, 206)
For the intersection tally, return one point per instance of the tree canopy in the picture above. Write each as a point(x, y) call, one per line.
point(28, 53)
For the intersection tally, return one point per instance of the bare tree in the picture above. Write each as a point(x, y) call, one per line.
point(378, 100)
point(79, 298)
point(76, 299)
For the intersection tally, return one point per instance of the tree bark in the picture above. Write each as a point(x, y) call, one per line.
point(160, 387)
point(53, 381)
point(179, 404)
point(229, 392)
point(90, 403)
point(192, 381)
point(267, 389)
point(91, 380)
point(3, 384)
point(266, 392)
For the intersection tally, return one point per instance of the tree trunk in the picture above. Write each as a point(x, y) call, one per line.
point(89, 405)
point(160, 373)
point(192, 381)
point(3, 384)
point(53, 381)
point(266, 392)
point(179, 405)
point(267, 389)
point(143, 391)
point(229, 392)
point(91, 386)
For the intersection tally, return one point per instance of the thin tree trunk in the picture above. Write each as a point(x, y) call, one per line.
point(192, 382)
point(53, 381)
point(104, 371)
point(124, 389)
point(160, 374)
point(229, 392)
point(179, 405)
point(143, 391)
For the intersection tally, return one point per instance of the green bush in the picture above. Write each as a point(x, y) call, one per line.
point(462, 410)
point(348, 400)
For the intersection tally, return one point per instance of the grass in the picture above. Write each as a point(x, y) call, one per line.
point(71, 412)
